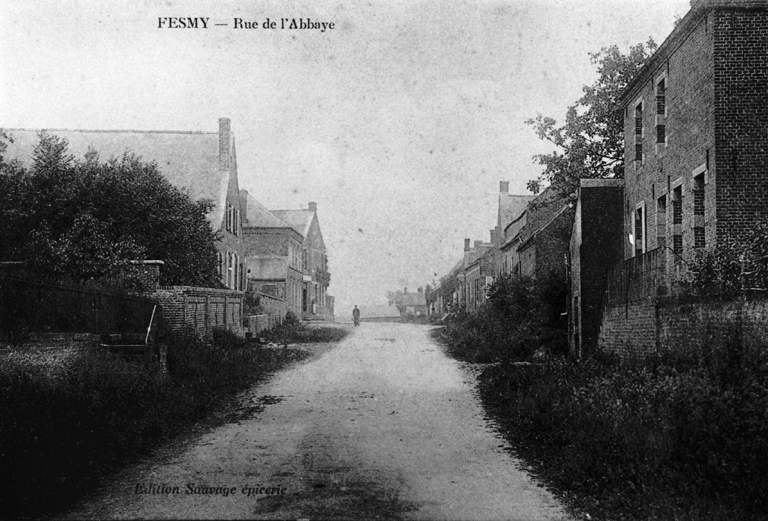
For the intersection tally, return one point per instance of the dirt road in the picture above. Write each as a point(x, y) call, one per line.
point(381, 426)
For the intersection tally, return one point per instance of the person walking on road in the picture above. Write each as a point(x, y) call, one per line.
point(356, 315)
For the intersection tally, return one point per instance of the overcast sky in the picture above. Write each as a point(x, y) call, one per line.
point(400, 122)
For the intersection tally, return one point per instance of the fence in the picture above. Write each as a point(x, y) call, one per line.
point(635, 279)
point(28, 306)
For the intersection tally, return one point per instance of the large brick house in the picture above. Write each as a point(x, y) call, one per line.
point(273, 254)
point(204, 164)
point(696, 150)
point(696, 133)
point(314, 261)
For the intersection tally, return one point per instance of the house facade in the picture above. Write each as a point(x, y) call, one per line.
point(273, 254)
point(314, 261)
point(204, 164)
point(696, 127)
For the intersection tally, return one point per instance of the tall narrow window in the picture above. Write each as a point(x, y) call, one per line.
point(677, 244)
point(640, 230)
point(639, 132)
point(661, 98)
point(698, 195)
point(698, 237)
point(677, 205)
point(661, 221)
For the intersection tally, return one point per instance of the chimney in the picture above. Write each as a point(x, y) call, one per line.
point(494, 237)
point(504, 187)
point(478, 244)
point(466, 244)
point(224, 138)
point(313, 206)
point(405, 290)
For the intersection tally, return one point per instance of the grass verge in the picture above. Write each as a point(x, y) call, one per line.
point(66, 425)
point(671, 438)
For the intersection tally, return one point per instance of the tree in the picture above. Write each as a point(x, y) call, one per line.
point(591, 142)
point(83, 219)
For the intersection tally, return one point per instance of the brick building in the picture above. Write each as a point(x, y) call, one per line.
point(696, 133)
point(273, 252)
point(696, 150)
point(314, 261)
point(536, 241)
point(596, 245)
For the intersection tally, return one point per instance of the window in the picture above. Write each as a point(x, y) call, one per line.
point(698, 195)
point(661, 97)
point(661, 134)
point(661, 221)
point(698, 237)
point(639, 131)
point(677, 244)
point(640, 229)
point(677, 205)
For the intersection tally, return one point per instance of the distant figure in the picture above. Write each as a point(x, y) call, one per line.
point(356, 316)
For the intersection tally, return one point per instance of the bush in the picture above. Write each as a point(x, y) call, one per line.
point(670, 439)
point(521, 316)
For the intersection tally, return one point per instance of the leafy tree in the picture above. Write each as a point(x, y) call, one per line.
point(83, 219)
point(591, 142)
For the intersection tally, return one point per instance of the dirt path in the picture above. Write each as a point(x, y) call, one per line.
point(382, 426)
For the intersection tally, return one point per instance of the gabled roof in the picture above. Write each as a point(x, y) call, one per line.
point(189, 160)
point(299, 220)
point(259, 217)
point(413, 299)
point(510, 207)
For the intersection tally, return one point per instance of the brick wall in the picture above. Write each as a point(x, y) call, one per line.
point(200, 309)
point(667, 324)
point(630, 329)
point(741, 117)
point(685, 66)
point(596, 245)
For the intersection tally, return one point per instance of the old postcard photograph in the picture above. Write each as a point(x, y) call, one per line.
point(388, 259)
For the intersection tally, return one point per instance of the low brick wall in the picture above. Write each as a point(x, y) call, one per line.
point(274, 307)
point(651, 326)
point(201, 309)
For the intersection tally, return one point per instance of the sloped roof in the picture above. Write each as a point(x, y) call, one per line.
point(546, 207)
point(189, 160)
point(299, 220)
point(259, 217)
point(413, 299)
point(510, 207)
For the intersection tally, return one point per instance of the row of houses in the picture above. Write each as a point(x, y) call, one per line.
point(277, 255)
point(696, 172)
point(529, 240)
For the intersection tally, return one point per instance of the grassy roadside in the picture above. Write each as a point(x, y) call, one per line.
point(673, 438)
point(67, 424)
